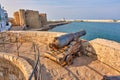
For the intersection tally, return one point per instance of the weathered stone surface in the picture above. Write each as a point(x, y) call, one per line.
point(35, 36)
point(17, 68)
point(83, 68)
point(12, 21)
point(43, 18)
point(107, 52)
point(29, 18)
point(17, 18)
point(9, 70)
point(22, 17)
point(33, 19)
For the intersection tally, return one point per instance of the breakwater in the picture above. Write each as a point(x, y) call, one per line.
point(93, 20)
point(50, 26)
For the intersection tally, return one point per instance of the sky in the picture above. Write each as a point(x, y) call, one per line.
point(69, 9)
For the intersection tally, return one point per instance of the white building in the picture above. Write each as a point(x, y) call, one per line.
point(4, 25)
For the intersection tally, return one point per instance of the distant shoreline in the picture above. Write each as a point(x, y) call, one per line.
point(111, 21)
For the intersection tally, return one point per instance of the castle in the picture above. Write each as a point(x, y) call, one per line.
point(29, 18)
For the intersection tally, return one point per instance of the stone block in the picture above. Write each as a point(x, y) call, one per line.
point(107, 52)
point(10, 58)
point(15, 58)
point(6, 56)
point(12, 21)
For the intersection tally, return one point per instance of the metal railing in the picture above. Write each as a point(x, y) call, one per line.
point(37, 66)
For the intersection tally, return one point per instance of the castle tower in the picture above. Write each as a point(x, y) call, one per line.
point(43, 18)
point(22, 17)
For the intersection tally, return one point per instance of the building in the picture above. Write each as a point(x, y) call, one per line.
point(3, 15)
point(29, 18)
point(4, 25)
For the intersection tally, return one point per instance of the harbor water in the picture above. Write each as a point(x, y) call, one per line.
point(110, 31)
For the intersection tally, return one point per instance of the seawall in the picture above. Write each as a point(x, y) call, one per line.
point(49, 26)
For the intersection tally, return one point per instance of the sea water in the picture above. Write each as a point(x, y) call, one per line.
point(110, 31)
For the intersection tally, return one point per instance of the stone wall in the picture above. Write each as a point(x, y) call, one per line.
point(22, 19)
point(106, 51)
point(32, 19)
point(11, 20)
point(29, 18)
point(14, 68)
point(43, 17)
point(16, 18)
point(32, 36)
point(21, 63)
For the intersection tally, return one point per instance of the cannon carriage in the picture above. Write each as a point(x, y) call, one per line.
point(65, 48)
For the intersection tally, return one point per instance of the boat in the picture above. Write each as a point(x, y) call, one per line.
point(4, 24)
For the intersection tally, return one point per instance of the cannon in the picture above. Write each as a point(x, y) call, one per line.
point(65, 48)
point(64, 40)
point(105, 77)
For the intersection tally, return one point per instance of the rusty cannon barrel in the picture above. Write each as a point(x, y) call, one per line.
point(61, 41)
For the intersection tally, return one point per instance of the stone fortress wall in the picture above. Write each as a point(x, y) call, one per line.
point(102, 48)
point(106, 51)
point(43, 18)
point(29, 18)
point(17, 67)
point(14, 68)
point(33, 36)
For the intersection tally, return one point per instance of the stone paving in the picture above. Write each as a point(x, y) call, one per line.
point(83, 68)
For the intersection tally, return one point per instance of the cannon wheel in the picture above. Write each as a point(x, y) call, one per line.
point(69, 59)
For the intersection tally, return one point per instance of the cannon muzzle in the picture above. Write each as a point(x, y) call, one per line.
point(61, 41)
